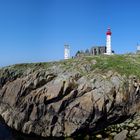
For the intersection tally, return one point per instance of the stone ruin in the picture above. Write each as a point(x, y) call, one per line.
point(97, 50)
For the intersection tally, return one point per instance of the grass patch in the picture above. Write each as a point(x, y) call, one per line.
point(123, 64)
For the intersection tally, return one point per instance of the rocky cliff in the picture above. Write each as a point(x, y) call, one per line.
point(67, 98)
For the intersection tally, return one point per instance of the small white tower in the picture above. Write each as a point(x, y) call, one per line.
point(108, 42)
point(66, 52)
point(138, 49)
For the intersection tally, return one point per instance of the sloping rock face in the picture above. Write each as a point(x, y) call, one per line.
point(56, 102)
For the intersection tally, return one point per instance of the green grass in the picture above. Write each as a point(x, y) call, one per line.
point(19, 69)
point(123, 64)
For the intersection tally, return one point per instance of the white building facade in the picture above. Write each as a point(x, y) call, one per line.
point(66, 52)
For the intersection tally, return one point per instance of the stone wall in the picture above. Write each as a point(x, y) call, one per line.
point(96, 50)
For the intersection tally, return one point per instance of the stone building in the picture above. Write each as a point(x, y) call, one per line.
point(97, 50)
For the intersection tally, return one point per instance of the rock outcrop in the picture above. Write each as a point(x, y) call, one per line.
point(60, 102)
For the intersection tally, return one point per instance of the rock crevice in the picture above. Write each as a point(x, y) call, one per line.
point(60, 104)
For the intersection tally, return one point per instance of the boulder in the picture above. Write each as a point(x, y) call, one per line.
point(122, 135)
point(137, 135)
point(60, 102)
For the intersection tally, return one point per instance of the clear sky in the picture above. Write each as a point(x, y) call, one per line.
point(36, 30)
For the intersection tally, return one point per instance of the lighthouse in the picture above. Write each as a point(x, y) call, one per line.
point(66, 52)
point(108, 42)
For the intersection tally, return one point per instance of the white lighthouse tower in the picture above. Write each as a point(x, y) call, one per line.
point(108, 42)
point(66, 52)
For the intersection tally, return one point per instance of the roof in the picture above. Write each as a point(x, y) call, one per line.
point(108, 31)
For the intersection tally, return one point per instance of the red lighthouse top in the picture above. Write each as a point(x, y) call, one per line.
point(108, 31)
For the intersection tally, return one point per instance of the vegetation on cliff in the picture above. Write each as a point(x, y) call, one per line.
point(71, 97)
point(123, 64)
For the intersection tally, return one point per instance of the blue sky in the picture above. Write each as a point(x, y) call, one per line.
point(36, 30)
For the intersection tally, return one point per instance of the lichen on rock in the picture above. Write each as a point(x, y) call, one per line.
point(66, 99)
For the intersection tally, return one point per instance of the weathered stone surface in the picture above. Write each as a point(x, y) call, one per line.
point(137, 135)
point(99, 136)
point(131, 125)
point(132, 132)
point(59, 102)
point(122, 135)
point(113, 134)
